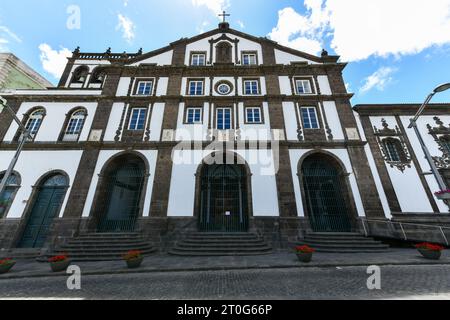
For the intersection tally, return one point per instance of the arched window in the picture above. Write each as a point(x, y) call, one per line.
point(80, 74)
point(224, 52)
point(445, 144)
point(74, 125)
point(7, 196)
point(34, 121)
point(98, 76)
point(393, 150)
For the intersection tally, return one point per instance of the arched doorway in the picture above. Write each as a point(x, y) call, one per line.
point(326, 194)
point(119, 196)
point(48, 200)
point(224, 199)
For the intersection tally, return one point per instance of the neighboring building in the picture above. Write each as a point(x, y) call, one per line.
point(104, 139)
point(15, 74)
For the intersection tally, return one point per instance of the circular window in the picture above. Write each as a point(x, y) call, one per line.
point(223, 88)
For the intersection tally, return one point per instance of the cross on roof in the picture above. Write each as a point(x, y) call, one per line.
point(224, 15)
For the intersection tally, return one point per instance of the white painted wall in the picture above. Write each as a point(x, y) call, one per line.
point(334, 123)
point(285, 85)
point(156, 121)
point(253, 132)
point(290, 120)
point(296, 154)
point(192, 132)
point(123, 87)
point(163, 82)
point(282, 57)
point(324, 85)
point(104, 156)
point(54, 120)
point(186, 163)
point(407, 185)
point(31, 166)
point(162, 59)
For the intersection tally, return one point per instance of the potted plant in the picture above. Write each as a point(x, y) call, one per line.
point(59, 263)
point(304, 253)
point(430, 251)
point(133, 259)
point(6, 265)
point(443, 195)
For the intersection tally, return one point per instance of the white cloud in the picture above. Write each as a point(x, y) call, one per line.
point(359, 29)
point(216, 6)
point(241, 24)
point(378, 80)
point(54, 61)
point(5, 36)
point(127, 26)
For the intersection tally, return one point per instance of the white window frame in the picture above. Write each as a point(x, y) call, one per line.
point(303, 81)
point(197, 82)
point(194, 109)
point(230, 110)
point(79, 117)
point(252, 109)
point(309, 119)
point(197, 56)
point(139, 117)
point(253, 62)
point(138, 86)
point(258, 89)
point(34, 122)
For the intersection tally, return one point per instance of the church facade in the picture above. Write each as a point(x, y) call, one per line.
point(222, 132)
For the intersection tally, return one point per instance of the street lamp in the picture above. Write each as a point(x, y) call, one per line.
point(413, 124)
point(23, 138)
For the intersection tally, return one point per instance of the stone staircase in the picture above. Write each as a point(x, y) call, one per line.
point(103, 246)
point(343, 242)
point(221, 244)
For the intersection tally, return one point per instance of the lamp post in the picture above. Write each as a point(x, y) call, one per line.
point(23, 138)
point(413, 125)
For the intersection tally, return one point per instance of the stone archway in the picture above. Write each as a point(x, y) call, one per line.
point(326, 193)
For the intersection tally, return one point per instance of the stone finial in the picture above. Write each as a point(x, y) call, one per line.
point(139, 52)
point(324, 53)
point(108, 51)
point(77, 50)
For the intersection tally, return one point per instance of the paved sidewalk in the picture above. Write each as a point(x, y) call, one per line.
point(168, 263)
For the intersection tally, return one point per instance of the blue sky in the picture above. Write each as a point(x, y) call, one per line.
point(396, 52)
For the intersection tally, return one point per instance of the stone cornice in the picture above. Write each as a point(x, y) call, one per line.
point(401, 109)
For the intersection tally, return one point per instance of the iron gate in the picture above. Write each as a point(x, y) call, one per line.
point(325, 201)
point(123, 194)
point(223, 203)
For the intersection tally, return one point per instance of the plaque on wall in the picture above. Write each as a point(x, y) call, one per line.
point(352, 133)
point(95, 136)
point(168, 135)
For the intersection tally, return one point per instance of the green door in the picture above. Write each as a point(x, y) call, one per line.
point(324, 192)
point(223, 199)
point(46, 207)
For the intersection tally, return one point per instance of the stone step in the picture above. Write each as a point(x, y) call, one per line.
point(106, 248)
point(219, 246)
point(112, 242)
point(222, 241)
point(111, 234)
point(216, 254)
point(342, 241)
point(207, 238)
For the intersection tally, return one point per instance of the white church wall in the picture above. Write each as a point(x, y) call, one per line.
point(163, 83)
point(192, 132)
point(407, 185)
point(43, 162)
point(282, 57)
point(432, 146)
point(156, 121)
point(163, 59)
point(182, 187)
point(290, 121)
point(123, 87)
point(253, 132)
point(54, 120)
point(285, 85)
point(324, 85)
point(104, 156)
point(334, 122)
point(114, 121)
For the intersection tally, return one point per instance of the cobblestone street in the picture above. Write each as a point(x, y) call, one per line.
point(398, 282)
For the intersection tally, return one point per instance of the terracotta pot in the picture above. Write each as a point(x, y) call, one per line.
point(430, 254)
point(134, 263)
point(6, 267)
point(304, 257)
point(60, 265)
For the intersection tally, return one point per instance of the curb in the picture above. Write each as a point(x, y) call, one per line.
point(231, 268)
